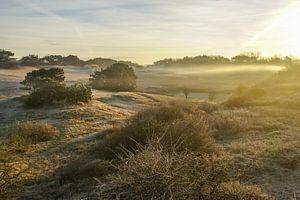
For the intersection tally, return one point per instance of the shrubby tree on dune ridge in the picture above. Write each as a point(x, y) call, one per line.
point(72, 60)
point(117, 77)
point(6, 59)
point(36, 78)
point(30, 60)
point(52, 60)
point(48, 86)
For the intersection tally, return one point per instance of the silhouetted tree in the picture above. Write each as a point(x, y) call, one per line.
point(30, 60)
point(186, 92)
point(72, 60)
point(246, 58)
point(52, 60)
point(211, 96)
point(6, 59)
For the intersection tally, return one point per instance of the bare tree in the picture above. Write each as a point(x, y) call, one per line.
point(186, 92)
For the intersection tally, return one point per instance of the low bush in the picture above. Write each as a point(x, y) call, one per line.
point(78, 93)
point(171, 124)
point(26, 133)
point(243, 97)
point(55, 91)
point(48, 86)
point(46, 94)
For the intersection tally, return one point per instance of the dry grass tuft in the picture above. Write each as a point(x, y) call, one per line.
point(26, 133)
point(84, 169)
point(227, 124)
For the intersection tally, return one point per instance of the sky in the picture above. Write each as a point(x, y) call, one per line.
point(144, 31)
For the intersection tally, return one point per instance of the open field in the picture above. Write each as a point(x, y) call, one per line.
point(200, 80)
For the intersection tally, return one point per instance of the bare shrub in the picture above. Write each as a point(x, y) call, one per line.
point(151, 173)
point(26, 133)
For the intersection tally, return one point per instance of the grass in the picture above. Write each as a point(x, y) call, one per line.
point(166, 152)
point(226, 124)
point(27, 133)
point(165, 143)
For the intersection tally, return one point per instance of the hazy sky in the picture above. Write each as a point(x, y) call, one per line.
point(147, 30)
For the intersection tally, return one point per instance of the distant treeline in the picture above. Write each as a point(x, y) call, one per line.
point(245, 58)
point(7, 60)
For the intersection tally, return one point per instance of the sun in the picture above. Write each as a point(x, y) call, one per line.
point(291, 31)
point(281, 35)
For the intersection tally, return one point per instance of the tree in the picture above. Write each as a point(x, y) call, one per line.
point(48, 86)
point(117, 77)
point(6, 59)
point(37, 78)
point(72, 60)
point(211, 96)
point(186, 92)
point(30, 60)
point(52, 60)
point(246, 58)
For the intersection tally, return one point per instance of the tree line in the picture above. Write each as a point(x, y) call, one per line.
point(244, 58)
point(7, 60)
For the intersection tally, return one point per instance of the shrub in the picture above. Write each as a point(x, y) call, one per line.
point(36, 78)
point(46, 94)
point(172, 125)
point(151, 173)
point(117, 77)
point(48, 86)
point(6, 59)
point(30, 60)
point(243, 97)
point(26, 133)
point(78, 93)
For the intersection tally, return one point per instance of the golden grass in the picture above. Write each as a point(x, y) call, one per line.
point(26, 133)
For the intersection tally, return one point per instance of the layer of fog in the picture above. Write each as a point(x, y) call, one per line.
point(212, 69)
